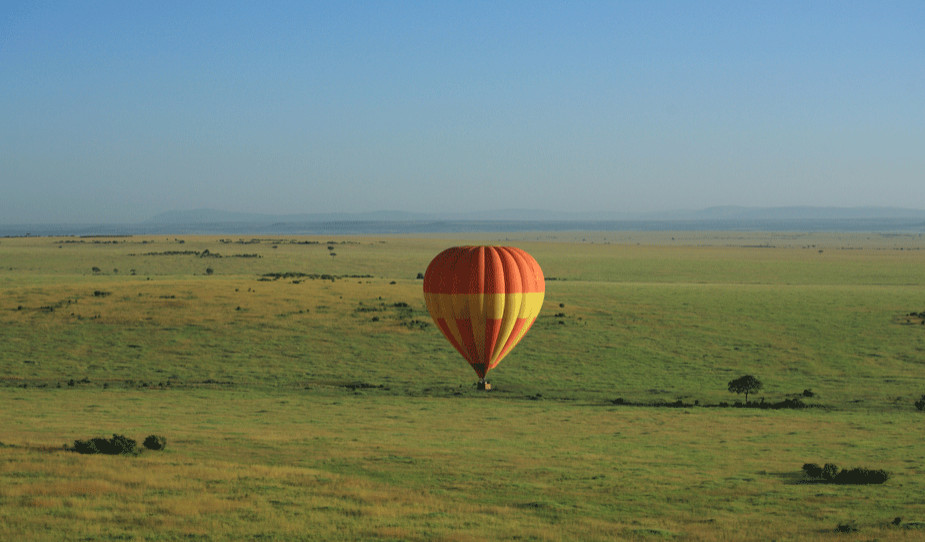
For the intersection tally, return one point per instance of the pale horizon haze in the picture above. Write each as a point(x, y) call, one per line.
point(115, 112)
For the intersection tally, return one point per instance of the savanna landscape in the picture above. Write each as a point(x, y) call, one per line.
point(303, 391)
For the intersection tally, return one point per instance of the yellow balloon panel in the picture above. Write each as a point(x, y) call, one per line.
point(484, 327)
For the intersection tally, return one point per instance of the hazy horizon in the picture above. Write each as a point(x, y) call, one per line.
point(115, 113)
point(721, 216)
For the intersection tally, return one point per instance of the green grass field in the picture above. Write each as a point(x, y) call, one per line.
point(305, 394)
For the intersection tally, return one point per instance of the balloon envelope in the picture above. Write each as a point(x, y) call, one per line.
point(484, 299)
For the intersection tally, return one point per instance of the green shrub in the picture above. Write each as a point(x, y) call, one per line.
point(920, 404)
point(155, 442)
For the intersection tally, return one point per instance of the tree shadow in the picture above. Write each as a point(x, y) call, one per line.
point(792, 478)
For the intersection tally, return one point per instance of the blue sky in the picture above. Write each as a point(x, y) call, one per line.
point(117, 111)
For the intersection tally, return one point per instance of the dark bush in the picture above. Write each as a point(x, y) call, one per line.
point(920, 404)
point(845, 527)
point(155, 442)
point(786, 403)
point(808, 393)
point(812, 470)
point(416, 324)
point(829, 471)
point(85, 447)
point(856, 476)
point(117, 445)
point(364, 386)
point(861, 475)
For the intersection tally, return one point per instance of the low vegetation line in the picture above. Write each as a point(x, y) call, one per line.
point(310, 276)
point(790, 403)
point(200, 253)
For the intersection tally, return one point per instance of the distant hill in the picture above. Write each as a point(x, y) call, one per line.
point(728, 218)
point(215, 216)
point(731, 212)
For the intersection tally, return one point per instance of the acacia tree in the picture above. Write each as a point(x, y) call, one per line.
point(745, 384)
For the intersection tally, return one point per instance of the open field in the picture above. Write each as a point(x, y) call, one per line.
point(305, 394)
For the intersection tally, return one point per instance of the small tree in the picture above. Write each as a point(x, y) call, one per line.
point(745, 384)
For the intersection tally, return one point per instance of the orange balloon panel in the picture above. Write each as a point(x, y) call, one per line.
point(484, 299)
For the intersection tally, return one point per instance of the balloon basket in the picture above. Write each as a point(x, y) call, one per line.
point(483, 385)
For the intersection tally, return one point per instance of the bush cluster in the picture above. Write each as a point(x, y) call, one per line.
point(117, 445)
point(920, 404)
point(830, 473)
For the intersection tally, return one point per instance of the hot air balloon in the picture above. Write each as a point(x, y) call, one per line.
point(484, 299)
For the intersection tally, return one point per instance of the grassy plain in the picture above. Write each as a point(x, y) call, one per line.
point(318, 406)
